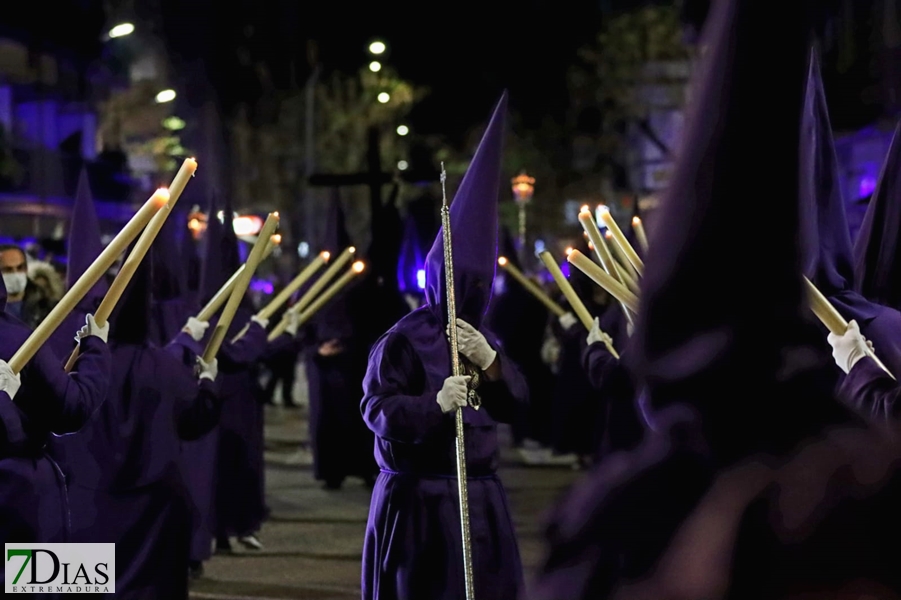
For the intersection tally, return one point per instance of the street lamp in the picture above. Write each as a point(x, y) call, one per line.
point(402, 130)
point(375, 66)
point(121, 30)
point(523, 189)
point(377, 47)
point(165, 96)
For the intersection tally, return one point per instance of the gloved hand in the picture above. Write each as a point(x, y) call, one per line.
point(453, 393)
point(91, 328)
point(264, 323)
point(9, 381)
point(196, 328)
point(207, 370)
point(848, 348)
point(293, 322)
point(568, 320)
point(597, 336)
point(474, 346)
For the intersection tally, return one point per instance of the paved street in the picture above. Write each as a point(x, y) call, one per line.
point(314, 539)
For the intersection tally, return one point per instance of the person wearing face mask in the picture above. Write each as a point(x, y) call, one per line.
point(26, 301)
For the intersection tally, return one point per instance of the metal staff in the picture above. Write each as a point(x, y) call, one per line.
point(457, 369)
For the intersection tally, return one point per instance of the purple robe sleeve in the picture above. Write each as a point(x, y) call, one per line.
point(392, 406)
point(12, 433)
point(65, 402)
point(501, 398)
point(597, 362)
point(199, 416)
point(871, 392)
point(246, 351)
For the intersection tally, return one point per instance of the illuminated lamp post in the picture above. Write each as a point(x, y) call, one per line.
point(523, 189)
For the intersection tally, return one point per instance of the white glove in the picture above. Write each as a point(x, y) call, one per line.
point(293, 323)
point(91, 328)
point(567, 320)
point(848, 348)
point(196, 328)
point(9, 381)
point(453, 393)
point(207, 370)
point(474, 346)
point(264, 323)
point(596, 336)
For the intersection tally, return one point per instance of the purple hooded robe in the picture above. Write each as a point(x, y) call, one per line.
point(34, 506)
point(123, 467)
point(413, 546)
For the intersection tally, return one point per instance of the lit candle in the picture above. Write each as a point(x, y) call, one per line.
point(831, 318)
point(283, 295)
point(84, 284)
point(627, 274)
point(597, 274)
point(311, 310)
point(530, 286)
point(317, 287)
point(638, 227)
point(216, 302)
point(620, 238)
point(241, 285)
point(599, 245)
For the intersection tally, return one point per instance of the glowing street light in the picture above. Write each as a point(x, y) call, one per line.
point(121, 30)
point(377, 47)
point(523, 188)
point(384, 97)
point(375, 66)
point(165, 96)
point(402, 130)
point(402, 165)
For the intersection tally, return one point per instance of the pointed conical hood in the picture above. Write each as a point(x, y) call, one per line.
point(216, 255)
point(169, 276)
point(827, 257)
point(334, 237)
point(732, 344)
point(473, 218)
point(877, 253)
point(130, 321)
point(411, 261)
point(387, 240)
point(85, 242)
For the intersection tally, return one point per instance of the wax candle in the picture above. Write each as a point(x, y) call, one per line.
point(84, 284)
point(596, 274)
point(530, 286)
point(620, 238)
point(638, 227)
point(224, 292)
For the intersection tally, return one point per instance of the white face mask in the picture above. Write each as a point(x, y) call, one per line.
point(15, 283)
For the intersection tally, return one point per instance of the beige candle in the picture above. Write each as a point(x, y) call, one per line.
point(602, 252)
point(317, 287)
point(574, 301)
point(629, 275)
point(216, 302)
point(90, 277)
point(282, 297)
point(597, 274)
point(620, 238)
point(831, 318)
point(530, 286)
point(241, 285)
point(638, 228)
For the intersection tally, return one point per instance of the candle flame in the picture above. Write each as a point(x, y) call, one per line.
point(275, 214)
point(636, 221)
point(162, 195)
point(325, 254)
point(590, 246)
point(276, 239)
point(351, 249)
point(358, 266)
point(585, 209)
point(569, 250)
point(502, 261)
point(608, 234)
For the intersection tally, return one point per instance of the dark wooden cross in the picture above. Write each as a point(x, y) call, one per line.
point(373, 177)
